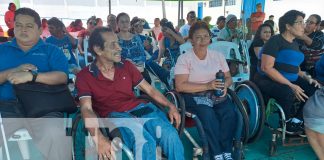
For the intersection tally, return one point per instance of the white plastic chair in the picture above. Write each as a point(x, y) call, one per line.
point(21, 136)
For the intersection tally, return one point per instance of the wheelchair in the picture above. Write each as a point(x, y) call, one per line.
point(189, 120)
point(278, 128)
point(248, 93)
point(83, 146)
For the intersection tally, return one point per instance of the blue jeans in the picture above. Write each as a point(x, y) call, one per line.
point(156, 130)
point(219, 123)
point(158, 71)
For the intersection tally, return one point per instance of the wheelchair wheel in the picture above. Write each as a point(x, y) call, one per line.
point(178, 101)
point(244, 134)
point(253, 103)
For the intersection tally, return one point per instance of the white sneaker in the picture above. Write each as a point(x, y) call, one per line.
point(227, 156)
point(219, 157)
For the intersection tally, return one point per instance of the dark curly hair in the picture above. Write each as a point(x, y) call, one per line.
point(289, 18)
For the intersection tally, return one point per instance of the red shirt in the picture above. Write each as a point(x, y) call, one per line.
point(84, 33)
point(255, 25)
point(160, 36)
point(109, 95)
point(9, 19)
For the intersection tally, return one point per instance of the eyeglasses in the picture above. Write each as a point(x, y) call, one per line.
point(300, 22)
point(310, 22)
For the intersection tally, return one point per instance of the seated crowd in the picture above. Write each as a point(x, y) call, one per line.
point(288, 67)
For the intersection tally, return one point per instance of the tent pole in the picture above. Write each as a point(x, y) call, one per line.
point(163, 9)
point(224, 1)
point(181, 9)
point(178, 12)
point(109, 6)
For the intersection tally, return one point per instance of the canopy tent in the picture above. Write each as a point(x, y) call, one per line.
point(247, 6)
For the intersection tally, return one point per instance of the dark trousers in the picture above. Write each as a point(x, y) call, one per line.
point(283, 94)
point(158, 71)
point(253, 71)
point(218, 123)
point(146, 76)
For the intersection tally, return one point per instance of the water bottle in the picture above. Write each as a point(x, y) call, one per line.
point(220, 76)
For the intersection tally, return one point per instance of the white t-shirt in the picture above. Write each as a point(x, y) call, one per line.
point(184, 30)
point(201, 71)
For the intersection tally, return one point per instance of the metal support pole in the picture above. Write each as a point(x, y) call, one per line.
point(178, 12)
point(163, 9)
point(109, 6)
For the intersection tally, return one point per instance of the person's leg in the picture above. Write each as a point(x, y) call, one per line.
point(285, 97)
point(164, 133)
point(253, 71)
point(213, 131)
point(146, 76)
point(49, 135)
point(157, 70)
point(225, 111)
point(280, 92)
point(134, 135)
point(316, 140)
point(309, 91)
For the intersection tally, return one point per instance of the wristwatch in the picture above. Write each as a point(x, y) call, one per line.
point(35, 74)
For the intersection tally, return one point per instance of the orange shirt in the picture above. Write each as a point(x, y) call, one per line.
point(255, 24)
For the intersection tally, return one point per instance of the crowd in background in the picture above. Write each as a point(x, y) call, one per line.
point(286, 56)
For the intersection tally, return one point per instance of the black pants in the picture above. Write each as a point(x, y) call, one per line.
point(146, 76)
point(253, 71)
point(283, 94)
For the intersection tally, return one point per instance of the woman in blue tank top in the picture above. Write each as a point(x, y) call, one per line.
point(279, 75)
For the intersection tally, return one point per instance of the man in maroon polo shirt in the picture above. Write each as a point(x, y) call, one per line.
point(106, 87)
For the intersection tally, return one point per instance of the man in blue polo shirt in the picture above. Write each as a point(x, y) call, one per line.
point(28, 59)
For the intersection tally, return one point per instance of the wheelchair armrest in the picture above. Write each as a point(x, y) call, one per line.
point(179, 102)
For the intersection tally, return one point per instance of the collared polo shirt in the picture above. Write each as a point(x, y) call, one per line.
point(45, 57)
point(109, 95)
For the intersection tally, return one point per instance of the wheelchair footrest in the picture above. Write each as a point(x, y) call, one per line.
point(295, 140)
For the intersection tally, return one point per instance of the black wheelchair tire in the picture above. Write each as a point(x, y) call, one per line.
point(243, 111)
point(260, 126)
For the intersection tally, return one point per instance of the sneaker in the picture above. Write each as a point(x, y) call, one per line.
point(227, 156)
point(303, 134)
point(219, 157)
point(293, 128)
